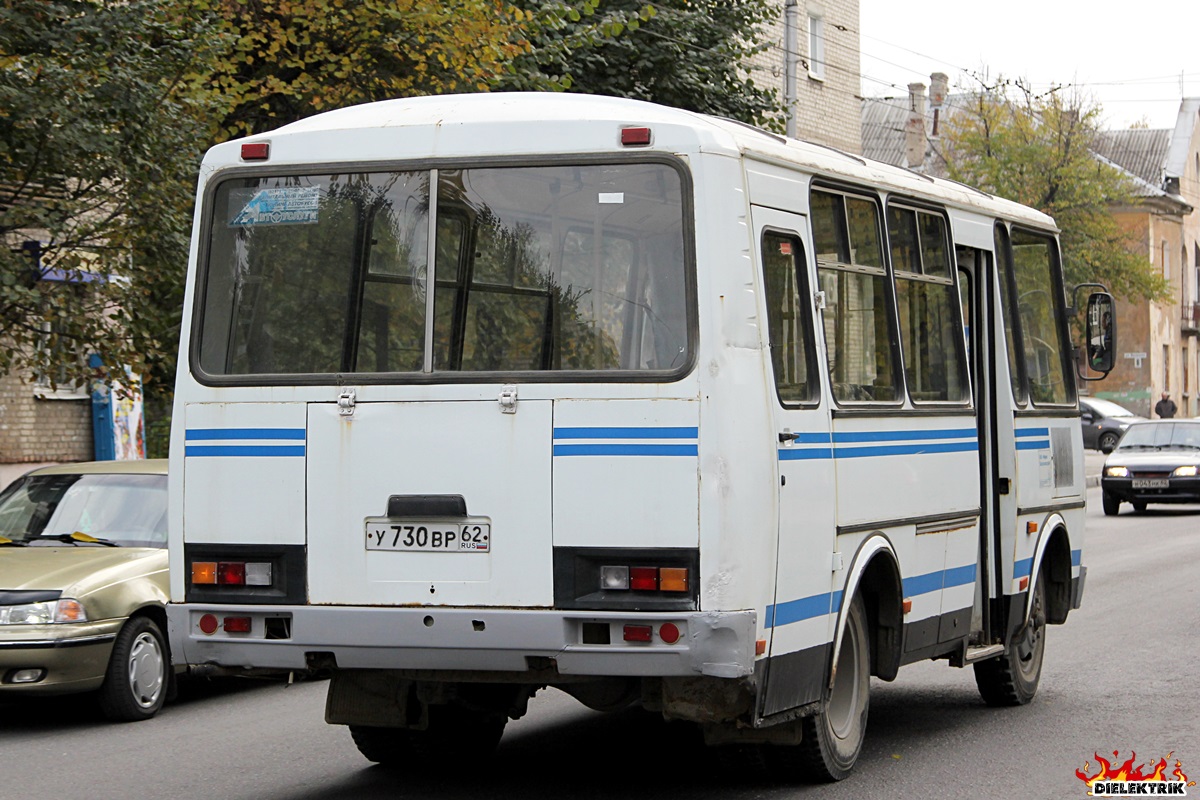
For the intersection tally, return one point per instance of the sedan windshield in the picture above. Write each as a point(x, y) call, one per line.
point(1181, 435)
point(129, 510)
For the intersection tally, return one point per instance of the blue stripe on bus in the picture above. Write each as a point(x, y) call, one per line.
point(820, 605)
point(625, 450)
point(914, 443)
point(902, 436)
point(211, 434)
point(804, 454)
point(905, 449)
point(1025, 432)
point(1024, 567)
point(1036, 444)
point(236, 451)
point(626, 433)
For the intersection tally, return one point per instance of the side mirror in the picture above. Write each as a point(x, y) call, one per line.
point(1101, 332)
point(1086, 418)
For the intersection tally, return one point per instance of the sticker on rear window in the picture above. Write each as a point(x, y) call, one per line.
point(292, 205)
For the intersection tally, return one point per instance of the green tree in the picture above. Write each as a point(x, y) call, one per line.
point(102, 128)
point(289, 59)
point(688, 54)
point(1037, 150)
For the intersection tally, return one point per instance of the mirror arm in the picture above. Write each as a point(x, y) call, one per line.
point(1073, 308)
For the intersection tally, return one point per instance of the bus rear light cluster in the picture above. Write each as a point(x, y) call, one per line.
point(231, 573)
point(644, 579)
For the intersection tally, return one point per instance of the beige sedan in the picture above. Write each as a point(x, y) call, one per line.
point(83, 585)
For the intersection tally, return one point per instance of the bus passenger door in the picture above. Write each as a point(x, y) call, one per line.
point(984, 354)
point(798, 620)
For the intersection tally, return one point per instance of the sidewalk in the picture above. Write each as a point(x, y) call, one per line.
point(1093, 462)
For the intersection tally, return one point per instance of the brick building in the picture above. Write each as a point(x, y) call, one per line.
point(822, 40)
point(1159, 349)
point(37, 427)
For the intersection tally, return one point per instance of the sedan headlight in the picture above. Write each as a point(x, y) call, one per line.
point(45, 613)
point(1116, 472)
point(1185, 472)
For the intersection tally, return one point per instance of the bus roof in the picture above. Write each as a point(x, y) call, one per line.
point(520, 123)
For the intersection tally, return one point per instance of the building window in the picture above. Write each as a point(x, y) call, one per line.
point(816, 47)
point(55, 383)
point(1166, 368)
point(1166, 261)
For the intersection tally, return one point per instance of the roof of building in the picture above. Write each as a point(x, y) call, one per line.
point(1147, 157)
point(1138, 151)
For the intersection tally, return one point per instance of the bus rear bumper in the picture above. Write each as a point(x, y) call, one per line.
point(717, 644)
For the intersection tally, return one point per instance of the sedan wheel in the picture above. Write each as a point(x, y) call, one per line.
point(135, 684)
point(1108, 441)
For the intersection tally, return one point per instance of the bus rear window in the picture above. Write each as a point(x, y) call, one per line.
point(536, 269)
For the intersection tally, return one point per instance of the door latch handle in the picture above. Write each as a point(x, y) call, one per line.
point(788, 436)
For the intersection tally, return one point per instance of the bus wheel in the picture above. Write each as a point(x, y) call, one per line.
point(832, 739)
point(1012, 679)
point(452, 731)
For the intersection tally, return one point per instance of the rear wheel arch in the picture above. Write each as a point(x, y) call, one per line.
point(875, 576)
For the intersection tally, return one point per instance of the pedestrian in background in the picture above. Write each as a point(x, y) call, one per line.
point(1165, 408)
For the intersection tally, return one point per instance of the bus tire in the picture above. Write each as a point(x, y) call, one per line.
point(832, 739)
point(1012, 679)
point(453, 730)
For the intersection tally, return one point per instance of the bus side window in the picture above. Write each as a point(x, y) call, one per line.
point(930, 323)
point(856, 319)
point(1045, 354)
point(787, 317)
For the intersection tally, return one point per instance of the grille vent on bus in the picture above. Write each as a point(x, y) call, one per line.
point(1064, 458)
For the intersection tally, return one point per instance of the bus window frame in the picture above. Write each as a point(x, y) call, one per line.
point(1026, 405)
point(199, 284)
point(918, 206)
point(859, 407)
point(814, 382)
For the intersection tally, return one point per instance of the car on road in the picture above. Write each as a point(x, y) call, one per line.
point(1104, 422)
point(83, 585)
point(1156, 462)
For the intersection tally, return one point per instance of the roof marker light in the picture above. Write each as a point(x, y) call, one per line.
point(635, 137)
point(256, 151)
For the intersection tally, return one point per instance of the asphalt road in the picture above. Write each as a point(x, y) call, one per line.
point(1120, 676)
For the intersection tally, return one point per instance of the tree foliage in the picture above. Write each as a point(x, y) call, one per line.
point(689, 54)
point(293, 58)
point(98, 149)
point(1038, 150)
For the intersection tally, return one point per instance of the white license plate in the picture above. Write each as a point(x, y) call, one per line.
point(1151, 483)
point(429, 536)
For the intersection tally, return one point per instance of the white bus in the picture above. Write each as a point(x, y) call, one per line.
point(484, 394)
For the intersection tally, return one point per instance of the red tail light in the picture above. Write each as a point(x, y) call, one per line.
point(638, 633)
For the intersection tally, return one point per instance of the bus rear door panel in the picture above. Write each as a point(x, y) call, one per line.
point(800, 617)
